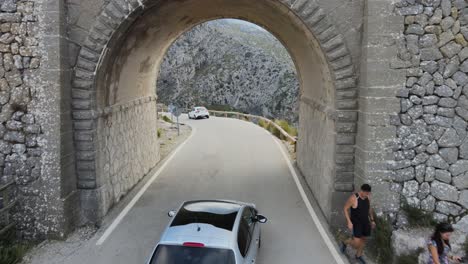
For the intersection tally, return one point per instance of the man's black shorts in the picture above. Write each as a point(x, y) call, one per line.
point(361, 229)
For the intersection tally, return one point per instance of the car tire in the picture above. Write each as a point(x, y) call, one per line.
point(260, 242)
point(208, 117)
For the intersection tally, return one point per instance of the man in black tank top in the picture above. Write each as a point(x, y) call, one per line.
point(360, 220)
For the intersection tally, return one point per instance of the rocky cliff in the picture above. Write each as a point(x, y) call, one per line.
point(232, 64)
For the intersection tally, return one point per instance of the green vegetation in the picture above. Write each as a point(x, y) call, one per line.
point(167, 119)
point(417, 217)
point(380, 248)
point(287, 127)
point(275, 131)
point(465, 247)
point(159, 132)
point(263, 124)
point(11, 251)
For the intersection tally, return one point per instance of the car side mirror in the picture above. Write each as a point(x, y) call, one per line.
point(261, 219)
point(171, 213)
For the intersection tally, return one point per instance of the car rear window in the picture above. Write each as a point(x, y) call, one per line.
point(167, 254)
point(220, 215)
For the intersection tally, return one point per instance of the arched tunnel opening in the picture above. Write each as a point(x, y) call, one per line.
point(125, 100)
point(231, 65)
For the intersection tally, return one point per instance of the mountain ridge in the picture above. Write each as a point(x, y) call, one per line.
point(220, 63)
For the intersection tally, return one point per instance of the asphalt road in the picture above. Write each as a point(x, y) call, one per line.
point(224, 159)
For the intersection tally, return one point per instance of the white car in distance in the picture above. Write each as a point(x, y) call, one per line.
point(199, 112)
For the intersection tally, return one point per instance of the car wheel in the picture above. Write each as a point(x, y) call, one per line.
point(208, 117)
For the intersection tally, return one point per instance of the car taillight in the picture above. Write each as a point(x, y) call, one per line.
point(193, 244)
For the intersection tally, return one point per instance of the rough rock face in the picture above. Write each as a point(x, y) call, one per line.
point(229, 63)
point(432, 125)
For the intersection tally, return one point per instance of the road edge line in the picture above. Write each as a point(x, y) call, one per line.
point(140, 193)
point(313, 214)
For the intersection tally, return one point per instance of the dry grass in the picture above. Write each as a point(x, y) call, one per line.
point(167, 119)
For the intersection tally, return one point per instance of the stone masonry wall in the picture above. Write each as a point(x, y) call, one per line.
point(31, 116)
point(127, 149)
point(20, 157)
point(431, 152)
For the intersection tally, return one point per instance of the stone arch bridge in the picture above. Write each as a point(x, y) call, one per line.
point(78, 99)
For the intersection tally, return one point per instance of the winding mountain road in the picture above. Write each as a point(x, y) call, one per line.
point(222, 159)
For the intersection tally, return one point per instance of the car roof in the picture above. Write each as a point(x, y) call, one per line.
point(211, 222)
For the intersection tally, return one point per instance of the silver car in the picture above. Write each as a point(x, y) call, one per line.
point(210, 232)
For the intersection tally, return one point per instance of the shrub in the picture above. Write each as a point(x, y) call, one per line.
point(11, 251)
point(12, 254)
point(465, 246)
point(408, 259)
point(417, 217)
point(263, 123)
point(159, 132)
point(274, 131)
point(167, 119)
point(380, 248)
point(287, 127)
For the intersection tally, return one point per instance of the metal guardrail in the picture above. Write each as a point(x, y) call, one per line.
point(7, 203)
point(249, 117)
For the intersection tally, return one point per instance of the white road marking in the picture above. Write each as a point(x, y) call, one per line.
point(313, 214)
point(135, 199)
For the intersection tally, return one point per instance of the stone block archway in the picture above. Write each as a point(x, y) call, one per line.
point(113, 92)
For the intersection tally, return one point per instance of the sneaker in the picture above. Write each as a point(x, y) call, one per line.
point(343, 247)
point(361, 260)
